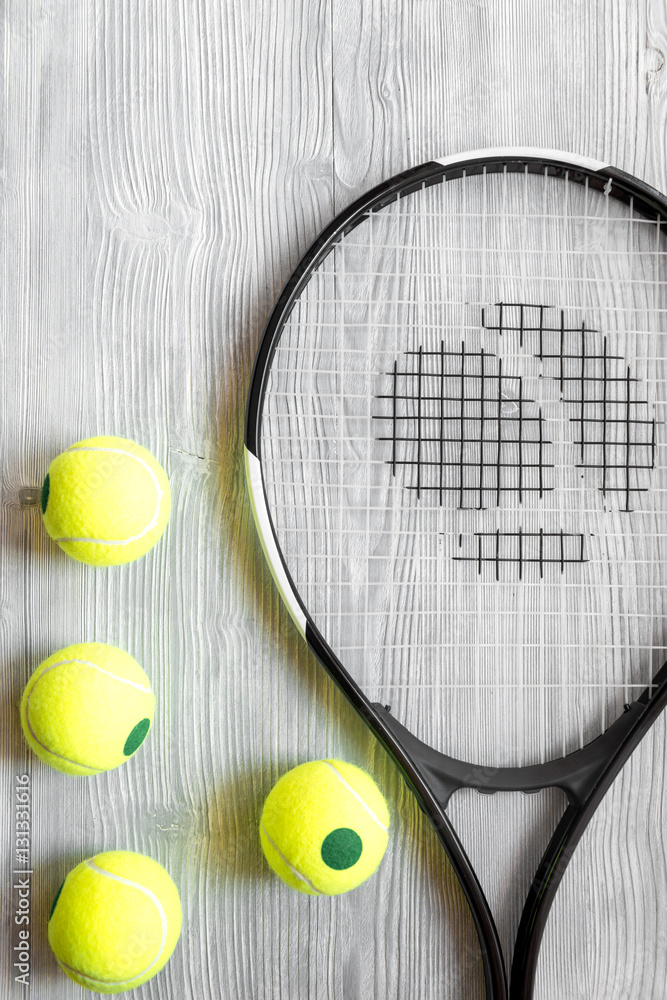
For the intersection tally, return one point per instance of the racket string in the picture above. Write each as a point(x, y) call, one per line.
point(464, 428)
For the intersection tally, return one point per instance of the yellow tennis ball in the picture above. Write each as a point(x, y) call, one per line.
point(115, 921)
point(324, 827)
point(105, 501)
point(87, 708)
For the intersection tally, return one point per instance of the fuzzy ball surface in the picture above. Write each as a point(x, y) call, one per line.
point(324, 827)
point(87, 708)
point(105, 501)
point(115, 921)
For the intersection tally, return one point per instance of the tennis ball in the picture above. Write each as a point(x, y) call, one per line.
point(87, 708)
point(324, 827)
point(105, 501)
point(115, 921)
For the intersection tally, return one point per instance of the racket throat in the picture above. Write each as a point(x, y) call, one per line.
point(577, 774)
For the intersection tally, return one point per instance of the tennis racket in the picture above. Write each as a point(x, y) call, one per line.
point(454, 456)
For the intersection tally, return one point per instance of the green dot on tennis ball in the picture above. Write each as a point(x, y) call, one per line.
point(46, 486)
point(136, 737)
point(57, 897)
point(341, 849)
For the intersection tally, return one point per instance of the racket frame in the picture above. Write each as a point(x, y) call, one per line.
point(584, 775)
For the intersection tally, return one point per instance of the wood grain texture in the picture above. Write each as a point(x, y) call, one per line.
point(163, 168)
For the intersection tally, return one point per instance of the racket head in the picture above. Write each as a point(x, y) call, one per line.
point(524, 289)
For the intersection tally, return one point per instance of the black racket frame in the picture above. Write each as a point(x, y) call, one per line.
point(584, 775)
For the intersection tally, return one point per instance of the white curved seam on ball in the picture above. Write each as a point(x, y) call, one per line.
point(60, 663)
point(154, 519)
point(356, 795)
point(294, 871)
point(96, 666)
point(68, 760)
point(163, 918)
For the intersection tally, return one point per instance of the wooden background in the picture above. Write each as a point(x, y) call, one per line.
point(164, 165)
